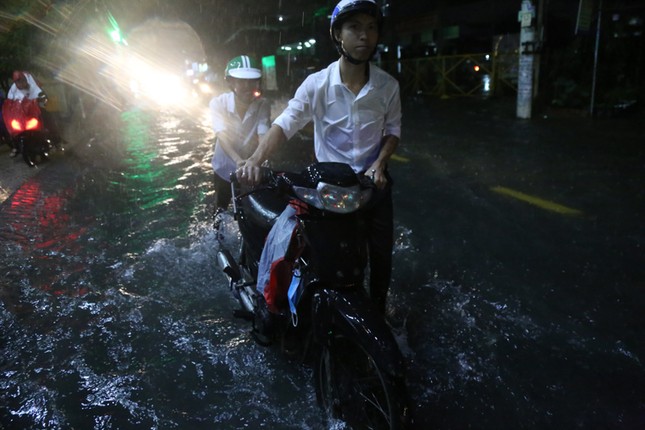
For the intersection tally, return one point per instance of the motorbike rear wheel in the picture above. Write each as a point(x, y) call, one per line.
point(352, 386)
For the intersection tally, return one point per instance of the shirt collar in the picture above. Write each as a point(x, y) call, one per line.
point(335, 74)
point(230, 102)
point(334, 78)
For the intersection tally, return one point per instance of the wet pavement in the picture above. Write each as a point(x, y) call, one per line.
point(13, 172)
point(536, 229)
point(517, 292)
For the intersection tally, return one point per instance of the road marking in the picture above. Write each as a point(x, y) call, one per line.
point(399, 158)
point(536, 201)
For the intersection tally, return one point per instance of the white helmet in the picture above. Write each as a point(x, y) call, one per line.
point(243, 67)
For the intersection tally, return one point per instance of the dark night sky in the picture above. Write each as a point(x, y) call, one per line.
point(252, 26)
point(216, 21)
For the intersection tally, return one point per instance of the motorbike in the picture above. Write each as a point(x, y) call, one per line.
point(28, 136)
point(358, 368)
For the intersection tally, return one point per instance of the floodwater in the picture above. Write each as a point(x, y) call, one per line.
point(511, 314)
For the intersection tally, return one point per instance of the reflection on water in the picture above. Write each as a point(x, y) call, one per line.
point(47, 239)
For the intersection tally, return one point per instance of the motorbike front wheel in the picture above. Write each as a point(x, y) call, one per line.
point(353, 387)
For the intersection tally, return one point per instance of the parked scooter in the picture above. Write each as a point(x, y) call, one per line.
point(23, 119)
point(358, 366)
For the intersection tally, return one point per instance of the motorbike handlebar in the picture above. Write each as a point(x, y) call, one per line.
point(268, 176)
point(290, 184)
point(279, 179)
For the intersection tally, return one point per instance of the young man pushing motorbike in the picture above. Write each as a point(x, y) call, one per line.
point(356, 111)
point(239, 117)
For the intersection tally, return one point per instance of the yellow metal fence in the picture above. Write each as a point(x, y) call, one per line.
point(471, 75)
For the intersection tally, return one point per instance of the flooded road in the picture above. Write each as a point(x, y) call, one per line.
point(511, 311)
point(114, 315)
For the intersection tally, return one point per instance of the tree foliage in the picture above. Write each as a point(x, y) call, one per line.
point(14, 36)
point(21, 39)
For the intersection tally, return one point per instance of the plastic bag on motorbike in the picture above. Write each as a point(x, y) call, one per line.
point(275, 270)
point(296, 288)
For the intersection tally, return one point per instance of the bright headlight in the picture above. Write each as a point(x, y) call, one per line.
point(205, 88)
point(334, 198)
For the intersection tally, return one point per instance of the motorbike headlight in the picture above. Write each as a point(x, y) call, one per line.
point(334, 198)
point(205, 88)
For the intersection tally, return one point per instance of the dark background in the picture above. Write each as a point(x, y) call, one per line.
point(43, 34)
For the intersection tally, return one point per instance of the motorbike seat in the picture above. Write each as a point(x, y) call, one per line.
point(264, 207)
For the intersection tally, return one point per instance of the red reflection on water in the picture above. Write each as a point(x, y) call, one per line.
point(43, 228)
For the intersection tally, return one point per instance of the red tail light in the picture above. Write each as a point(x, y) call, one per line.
point(32, 123)
point(15, 124)
point(257, 93)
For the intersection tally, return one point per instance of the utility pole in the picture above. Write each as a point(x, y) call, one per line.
point(592, 103)
point(526, 60)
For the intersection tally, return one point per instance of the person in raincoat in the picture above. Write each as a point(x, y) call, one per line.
point(356, 111)
point(239, 118)
point(24, 87)
point(23, 98)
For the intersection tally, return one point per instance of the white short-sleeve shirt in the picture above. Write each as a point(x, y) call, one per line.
point(242, 133)
point(348, 128)
point(29, 93)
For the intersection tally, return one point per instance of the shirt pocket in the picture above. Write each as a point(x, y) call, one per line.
point(371, 120)
point(337, 126)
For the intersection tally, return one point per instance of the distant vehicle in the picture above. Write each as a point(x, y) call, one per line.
point(28, 136)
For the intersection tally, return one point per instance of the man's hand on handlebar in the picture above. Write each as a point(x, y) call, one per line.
point(249, 173)
point(377, 174)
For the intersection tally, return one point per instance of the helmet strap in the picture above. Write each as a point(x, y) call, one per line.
point(351, 59)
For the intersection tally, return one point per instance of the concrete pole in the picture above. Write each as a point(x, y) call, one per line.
point(526, 60)
point(592, 103)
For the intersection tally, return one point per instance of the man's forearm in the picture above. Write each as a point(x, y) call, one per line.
point(390, 143)
point(377, 169)
point(272, 139)
point(230, 151)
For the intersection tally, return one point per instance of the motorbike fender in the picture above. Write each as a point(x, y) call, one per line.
point(352, 314)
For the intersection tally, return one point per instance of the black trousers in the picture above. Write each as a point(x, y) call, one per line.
point(223, 193)
point(379, 227)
